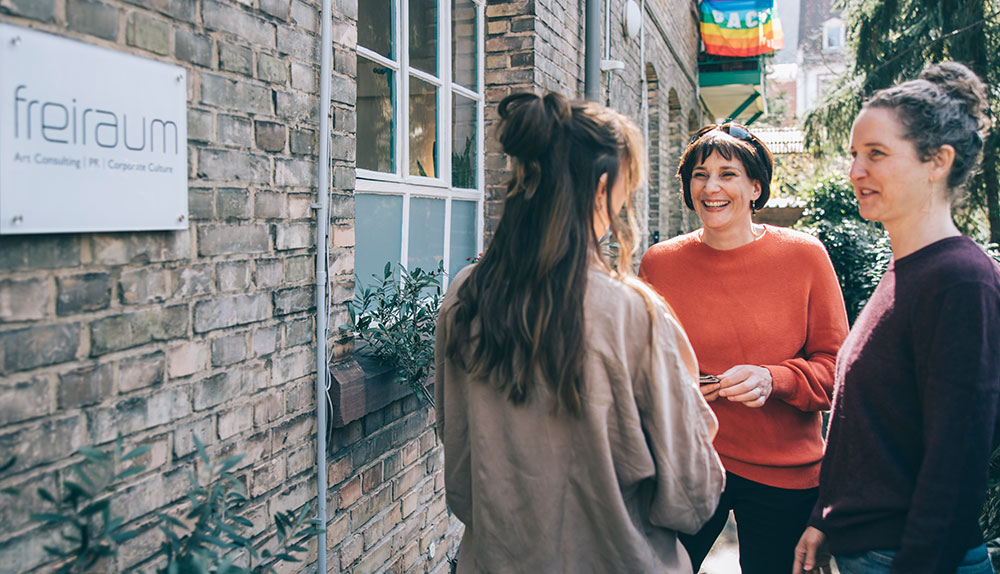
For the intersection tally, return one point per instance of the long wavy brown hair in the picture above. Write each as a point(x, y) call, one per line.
point(518, 319)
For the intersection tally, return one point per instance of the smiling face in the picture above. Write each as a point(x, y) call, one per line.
point(890, 181)
point(721, 192)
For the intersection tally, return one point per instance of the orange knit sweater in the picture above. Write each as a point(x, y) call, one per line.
point(774, 302)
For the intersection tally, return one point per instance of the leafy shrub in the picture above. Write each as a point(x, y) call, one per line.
point(990, 518)
point(84, 511)
point(395, 318)
point(213, 536)
point(860, 251)
point(209, 542)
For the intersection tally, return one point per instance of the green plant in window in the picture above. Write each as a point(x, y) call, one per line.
point(395, 318)
point(462, 169)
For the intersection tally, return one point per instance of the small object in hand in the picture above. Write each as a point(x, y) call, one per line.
point(708, 379)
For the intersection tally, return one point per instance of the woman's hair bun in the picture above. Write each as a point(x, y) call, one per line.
point(962, 85)
point(530, 122)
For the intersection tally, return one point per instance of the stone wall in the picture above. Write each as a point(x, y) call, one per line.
point(209, 332)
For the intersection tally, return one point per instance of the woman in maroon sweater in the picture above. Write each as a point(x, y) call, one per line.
point(915, 409)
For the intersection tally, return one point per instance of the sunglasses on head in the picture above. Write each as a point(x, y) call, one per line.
point(736, 130)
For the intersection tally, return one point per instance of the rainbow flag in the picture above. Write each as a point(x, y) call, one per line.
point(740, 28)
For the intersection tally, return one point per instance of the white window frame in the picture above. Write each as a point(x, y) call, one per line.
point(833, 25)
point(402, 183)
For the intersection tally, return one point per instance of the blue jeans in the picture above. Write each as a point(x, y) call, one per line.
point(976, 561)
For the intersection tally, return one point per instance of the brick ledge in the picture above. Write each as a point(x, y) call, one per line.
point(360, 386)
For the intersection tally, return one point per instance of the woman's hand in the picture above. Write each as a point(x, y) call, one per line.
point(710, 391)
point(747, 384)
point(811, 554)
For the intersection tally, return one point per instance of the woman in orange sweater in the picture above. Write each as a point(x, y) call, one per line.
point(765, 315)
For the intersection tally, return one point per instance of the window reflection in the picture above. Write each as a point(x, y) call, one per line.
point(423, 128)
point(376, 113)
point(375, 26)
point(464, 43)
point(423, 35)
point(464, 159)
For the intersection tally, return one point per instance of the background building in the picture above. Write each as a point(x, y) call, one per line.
point(821, 58)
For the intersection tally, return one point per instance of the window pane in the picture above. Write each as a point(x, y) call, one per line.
point(376, 112)
point(464, 160)
point(463, 235)
point(423, 35)
point(464, 40)
point(426, 241)
point(375, 26)
point(423, 128)
point(378, 232)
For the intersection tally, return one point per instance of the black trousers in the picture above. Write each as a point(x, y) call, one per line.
point(769, 522)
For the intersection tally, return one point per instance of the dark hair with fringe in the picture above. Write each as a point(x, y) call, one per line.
point(525, 296)
point(750, 151)
point(945, 105)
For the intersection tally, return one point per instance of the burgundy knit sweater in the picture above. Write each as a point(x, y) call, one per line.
point(915, 412)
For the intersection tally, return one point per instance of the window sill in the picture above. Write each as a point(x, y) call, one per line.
point(360, 386)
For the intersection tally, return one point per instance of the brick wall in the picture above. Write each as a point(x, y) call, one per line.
point(510, 67)
point(654, 151)
point(676, 101)
point(209, 332)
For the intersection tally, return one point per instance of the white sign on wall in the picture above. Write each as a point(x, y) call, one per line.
point(90, 139)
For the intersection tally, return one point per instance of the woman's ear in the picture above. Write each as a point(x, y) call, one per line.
point(941, 162)
point(602, 184)
point(601, 196)
point(756, 190)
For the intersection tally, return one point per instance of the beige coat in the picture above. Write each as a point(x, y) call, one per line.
point(602, 492)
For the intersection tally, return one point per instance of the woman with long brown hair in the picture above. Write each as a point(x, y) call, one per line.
point(575, 436)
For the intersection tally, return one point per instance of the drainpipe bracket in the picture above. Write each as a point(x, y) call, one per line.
point(612, 65)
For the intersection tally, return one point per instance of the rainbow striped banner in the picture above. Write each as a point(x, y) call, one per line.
point(740, 28)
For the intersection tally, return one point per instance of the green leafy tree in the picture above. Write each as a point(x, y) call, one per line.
point(860, 251)
point(891, 41)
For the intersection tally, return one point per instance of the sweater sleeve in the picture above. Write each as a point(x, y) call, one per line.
point(679, 426)
point(806, 381)
point(956, 337)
